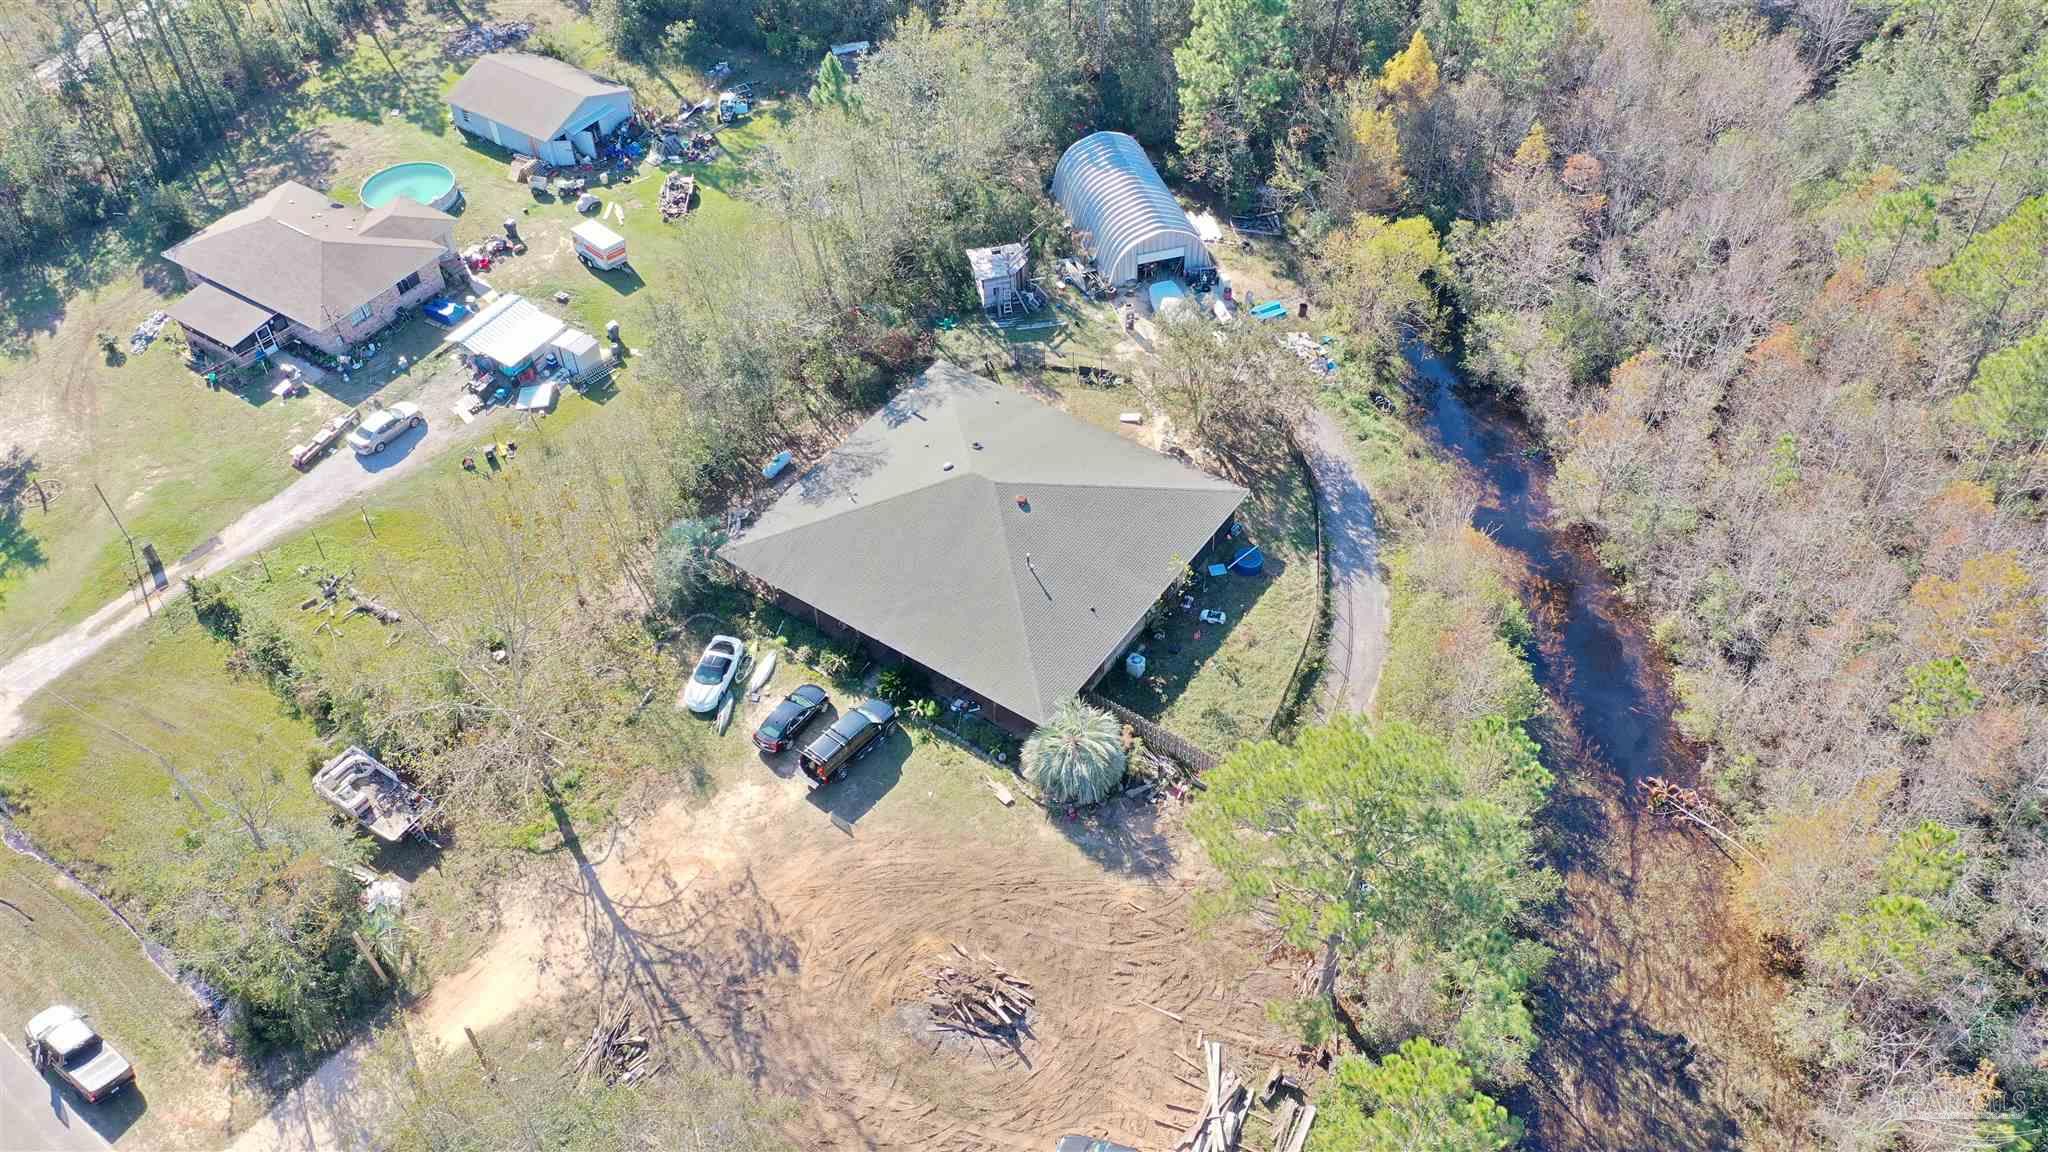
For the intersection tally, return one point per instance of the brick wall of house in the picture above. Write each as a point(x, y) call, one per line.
point(336, 338)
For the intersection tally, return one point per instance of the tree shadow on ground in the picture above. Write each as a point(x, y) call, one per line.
point(671, 946)
point(1122, 835)
point(20, 550)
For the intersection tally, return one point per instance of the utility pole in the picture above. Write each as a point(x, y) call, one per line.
point(141, 577)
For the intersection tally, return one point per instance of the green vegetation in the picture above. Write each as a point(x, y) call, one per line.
point(1218, 685)
point(1417, 1099)
point(1077, 755)
point(263, 910)
point(1403, 861)
point(58, 946)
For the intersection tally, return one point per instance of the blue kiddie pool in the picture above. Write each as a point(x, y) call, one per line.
point(422, 181)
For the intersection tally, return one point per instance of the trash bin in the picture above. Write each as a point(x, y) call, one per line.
point(1135, 665)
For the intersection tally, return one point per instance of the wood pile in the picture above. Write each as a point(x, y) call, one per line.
point(1228, 1104)
point(675, 195)
point(1291, 1125)
point(980, 999)
point(617, 1050)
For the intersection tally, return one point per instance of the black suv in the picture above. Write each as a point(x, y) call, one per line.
point(790, 717)
point(850, 737)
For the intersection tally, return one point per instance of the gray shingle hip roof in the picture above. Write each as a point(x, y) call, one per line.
point(1017, 570)
point(294, 251)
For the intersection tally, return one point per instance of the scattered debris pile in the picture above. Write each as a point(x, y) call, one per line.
point(1292, 1117)
point(1165, 776)
point(341, 586)
point(980, 999)
point(1219, 1126)
point(146, 331)
point(618, 1050)
point(481, 38)
point(676, 191)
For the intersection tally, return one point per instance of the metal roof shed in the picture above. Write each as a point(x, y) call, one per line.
point(511, 330)
point(1110, 191)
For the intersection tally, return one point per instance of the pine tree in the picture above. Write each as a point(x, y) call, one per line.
point(1236, 70)
point(1418, 1099)
point(834, 88)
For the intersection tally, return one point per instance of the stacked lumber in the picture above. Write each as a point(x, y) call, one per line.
point(617, 1051)
point(676, 191)
point(1290, 1131)
point(1229, 1101)
point(980, 999)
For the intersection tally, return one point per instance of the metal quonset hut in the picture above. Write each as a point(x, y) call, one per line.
point(1132, 225)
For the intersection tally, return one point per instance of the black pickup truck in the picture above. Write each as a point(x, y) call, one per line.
point(853, 735)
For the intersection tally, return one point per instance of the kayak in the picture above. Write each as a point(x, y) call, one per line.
point(762, 671)
point(725, 715)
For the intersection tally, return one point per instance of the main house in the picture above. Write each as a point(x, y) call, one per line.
point(1010, 550)
point(295, 264)
point(538, 106)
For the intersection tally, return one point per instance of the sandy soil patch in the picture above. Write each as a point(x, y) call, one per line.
point(786, 951)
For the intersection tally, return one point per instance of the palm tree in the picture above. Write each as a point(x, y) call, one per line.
point(1076, 756)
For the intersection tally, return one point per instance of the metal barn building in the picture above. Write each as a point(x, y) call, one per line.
point(538, 106)
point(1130, 224)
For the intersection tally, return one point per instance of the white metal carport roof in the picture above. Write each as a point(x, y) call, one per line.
point(510, 330)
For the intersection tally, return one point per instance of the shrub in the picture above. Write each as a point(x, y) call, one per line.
point(897, 685)
point(1076, 756)
point(686, 562)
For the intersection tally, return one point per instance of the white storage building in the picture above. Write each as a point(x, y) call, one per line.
point(538, 106)
point(1131, 226)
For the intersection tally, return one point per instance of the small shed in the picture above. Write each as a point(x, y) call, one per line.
point(998, 275)
point(510, 332)
point(579, 352)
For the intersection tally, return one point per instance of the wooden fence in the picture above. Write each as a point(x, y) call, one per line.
point(1161, 740)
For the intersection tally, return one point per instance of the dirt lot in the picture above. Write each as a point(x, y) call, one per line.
point(794, 954)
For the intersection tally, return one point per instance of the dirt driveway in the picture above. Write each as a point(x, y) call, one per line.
point(797, 955)
point(1359, 611)
point(330, 485)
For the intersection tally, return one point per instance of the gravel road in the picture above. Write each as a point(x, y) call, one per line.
point(1351, 547)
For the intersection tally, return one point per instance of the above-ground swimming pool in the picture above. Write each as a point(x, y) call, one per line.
point(422, 180)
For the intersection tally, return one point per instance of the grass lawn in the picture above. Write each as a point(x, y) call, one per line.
point(1221, 684)
point(59, 946)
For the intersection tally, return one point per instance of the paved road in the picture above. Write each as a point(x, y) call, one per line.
point(34, 1115)
point(1351, 547)
point(333, 484)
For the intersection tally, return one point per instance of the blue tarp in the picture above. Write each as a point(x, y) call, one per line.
point(443, 311)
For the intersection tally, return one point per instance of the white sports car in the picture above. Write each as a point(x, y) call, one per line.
point(715, 670)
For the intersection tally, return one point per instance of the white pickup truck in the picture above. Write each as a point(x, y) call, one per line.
point(60, 1039)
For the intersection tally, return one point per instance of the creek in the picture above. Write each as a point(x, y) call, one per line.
point(1655, 1016)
